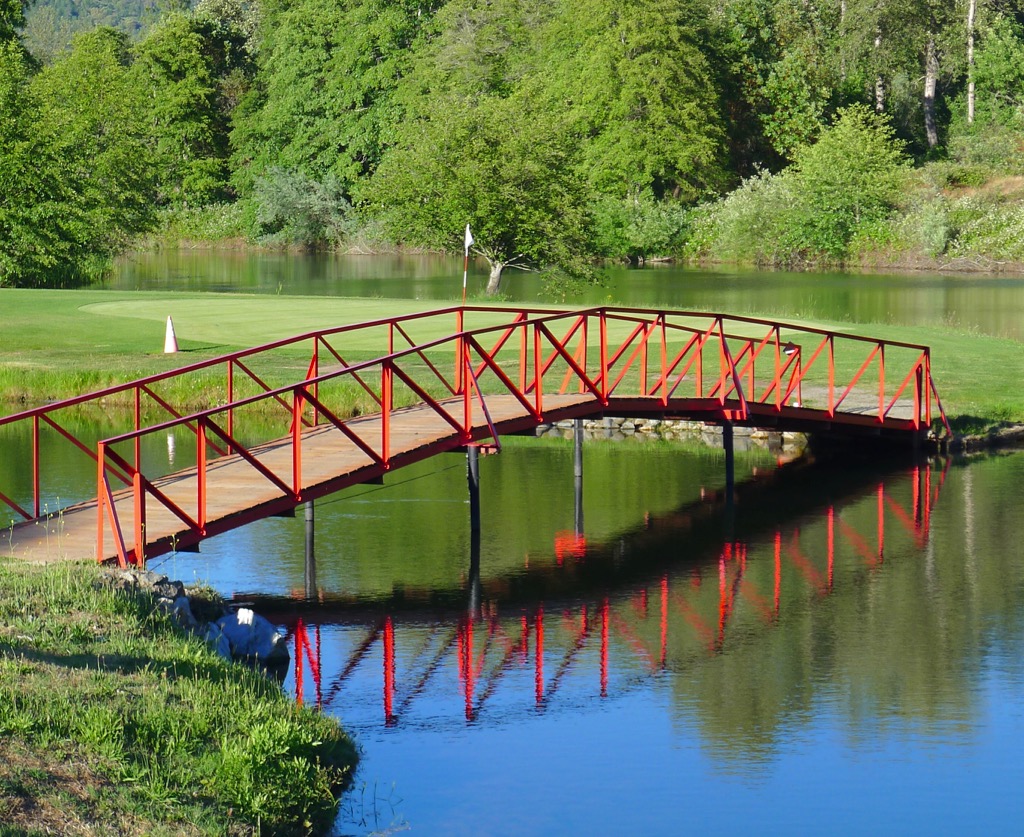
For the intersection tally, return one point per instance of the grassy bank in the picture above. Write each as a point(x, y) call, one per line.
point(56, 344)
point(112, 721)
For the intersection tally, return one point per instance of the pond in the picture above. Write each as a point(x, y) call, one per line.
point(841, 651)
point(991, 305)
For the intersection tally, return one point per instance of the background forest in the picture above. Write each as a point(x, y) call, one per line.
point(774, 132)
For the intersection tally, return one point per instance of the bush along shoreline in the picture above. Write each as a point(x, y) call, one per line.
point(116, 716)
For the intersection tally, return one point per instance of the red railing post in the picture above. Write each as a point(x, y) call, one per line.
point(753, 362)
point(35, 466)
point(460, 379)
point(881, 381)
point(231, 396)
point(699, 371)
point(538, 370)
point(139, 496)
point(726, 368)
point(928, 383)
point(201, 473)
point(137, 427)
point(664, 359)
point(586, 348)
point(523, 354)
point(298, 405)
point(314, 372)
point(467, 392)
point(800, 375)
point(603, 325)
point(831, 375)
point(101, 499)
point(778, 368)
point(643, 361)
point(918, 385)
point(386, 373)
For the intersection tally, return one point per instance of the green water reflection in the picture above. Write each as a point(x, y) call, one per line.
point(991, 305)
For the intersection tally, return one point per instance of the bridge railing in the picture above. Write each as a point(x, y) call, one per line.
point(738, 361)
point(451, 360)
point(47, 435)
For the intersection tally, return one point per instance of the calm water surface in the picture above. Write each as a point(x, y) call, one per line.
point(842, 654)
point(992, 305)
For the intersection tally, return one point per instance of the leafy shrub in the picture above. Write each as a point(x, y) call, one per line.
point(848, 182)
point(746, 225)
point(639, 228)
point(993, 231)
point(213, 222)
point(295, 209)
point(852, 176)
point(984, 149)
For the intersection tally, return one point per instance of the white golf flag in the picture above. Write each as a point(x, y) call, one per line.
point(469, 239)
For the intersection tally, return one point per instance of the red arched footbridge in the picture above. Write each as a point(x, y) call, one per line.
point(297, 419)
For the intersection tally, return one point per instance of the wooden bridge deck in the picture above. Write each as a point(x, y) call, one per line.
point(331, 461)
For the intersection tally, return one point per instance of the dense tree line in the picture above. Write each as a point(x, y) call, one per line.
point(561, 131)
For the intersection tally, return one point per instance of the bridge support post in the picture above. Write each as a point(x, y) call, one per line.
point(730, 462)
point(577, 472)
point(310, 573)
point(473, 479)
point(730, 481)
point(474, 574)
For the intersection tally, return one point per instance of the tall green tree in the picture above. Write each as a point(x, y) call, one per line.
point(478, 144)
point(93, 110)
point(323, 99)
point(633, 76)
point(850, 178)
point(41, 228)
point(906, 52)
point(187, 128)
point(507, 172)
point(12, 18)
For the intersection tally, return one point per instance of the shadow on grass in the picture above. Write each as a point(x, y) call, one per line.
point(212, 671)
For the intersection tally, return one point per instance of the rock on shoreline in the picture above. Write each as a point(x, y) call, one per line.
point(744, 438)
point(234, 634)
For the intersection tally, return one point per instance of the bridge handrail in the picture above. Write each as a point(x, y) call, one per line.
point(737, 374)
point(303, 391)
point(546, 313)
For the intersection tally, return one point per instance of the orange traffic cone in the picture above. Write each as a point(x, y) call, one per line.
point(170, 341)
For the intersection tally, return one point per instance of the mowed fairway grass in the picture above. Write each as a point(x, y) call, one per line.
point(56, 343)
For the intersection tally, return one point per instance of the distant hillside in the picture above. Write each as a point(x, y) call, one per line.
point(51, 24)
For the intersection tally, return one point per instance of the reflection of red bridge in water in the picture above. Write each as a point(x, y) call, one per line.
point(671, 612)
point(438, 381)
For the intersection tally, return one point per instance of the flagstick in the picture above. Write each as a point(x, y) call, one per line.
point(465, 266)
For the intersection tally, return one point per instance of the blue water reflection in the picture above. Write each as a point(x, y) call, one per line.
point(841, 655)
